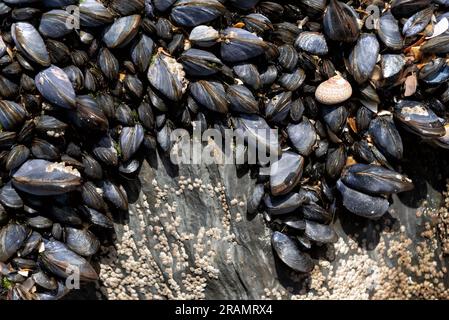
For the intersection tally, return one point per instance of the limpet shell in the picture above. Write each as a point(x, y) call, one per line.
point(333, 91)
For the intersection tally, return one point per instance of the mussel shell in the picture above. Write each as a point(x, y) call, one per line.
point(210, 94)
point(419, 119)
point(55, 86)
point(418, 22)
point(361, 204)
point(340, 22)
point(286, 173)
point(115, 194)
point(386, 137)
point(108, 64)
point(93, 13)
point(62, 262)
point(437, 45)
point(288, 251)
point(335, 161)
point(53, 24)
point(11, 114)
point(167, 76)
point(12, 237)
point(312, 42)
point(389, 32)
point(82, 242)
point(141, 51)
point(192, 13)
point(9, 197)
point(257, 22)
point(240, 45)
point(405, 8)
point(130, 140)
point(125, 8)
point(122, 31)
point(392, 65)
point(105, 151)
point(204, 36)
point(200, 63)
point(16, 157)
point(258, 134)
point(363, 57)
point(375, 180)
point(283, 204)
point(41, 177)
point(242, 99)
point(303, 136)
point(320, 233)
point(30, 43)
point(292, 81)
point(42, 149)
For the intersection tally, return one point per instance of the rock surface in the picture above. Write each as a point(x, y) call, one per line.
point(187, 236)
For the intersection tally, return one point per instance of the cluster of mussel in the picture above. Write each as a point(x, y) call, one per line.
point(88, 88)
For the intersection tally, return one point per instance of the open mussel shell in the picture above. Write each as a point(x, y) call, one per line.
point(55, 86)
point(12, 237)
point(122, 31)
point(192, 13)
point(210, 94)
point(241, 45)
point(418, 22)
point(340, 22)
point(287, 250)
point(375, 180)
point(392, 65)
point(419, 119)
point(361, 204)
point(312, 42)
point(30, 43)
point(363, 57)
point(435, 72)
point(61, 261)
point(386, 137)
point(286, 173)
point(44, 178)
point(389, 32)
point(333, 91)
point(167, 76)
